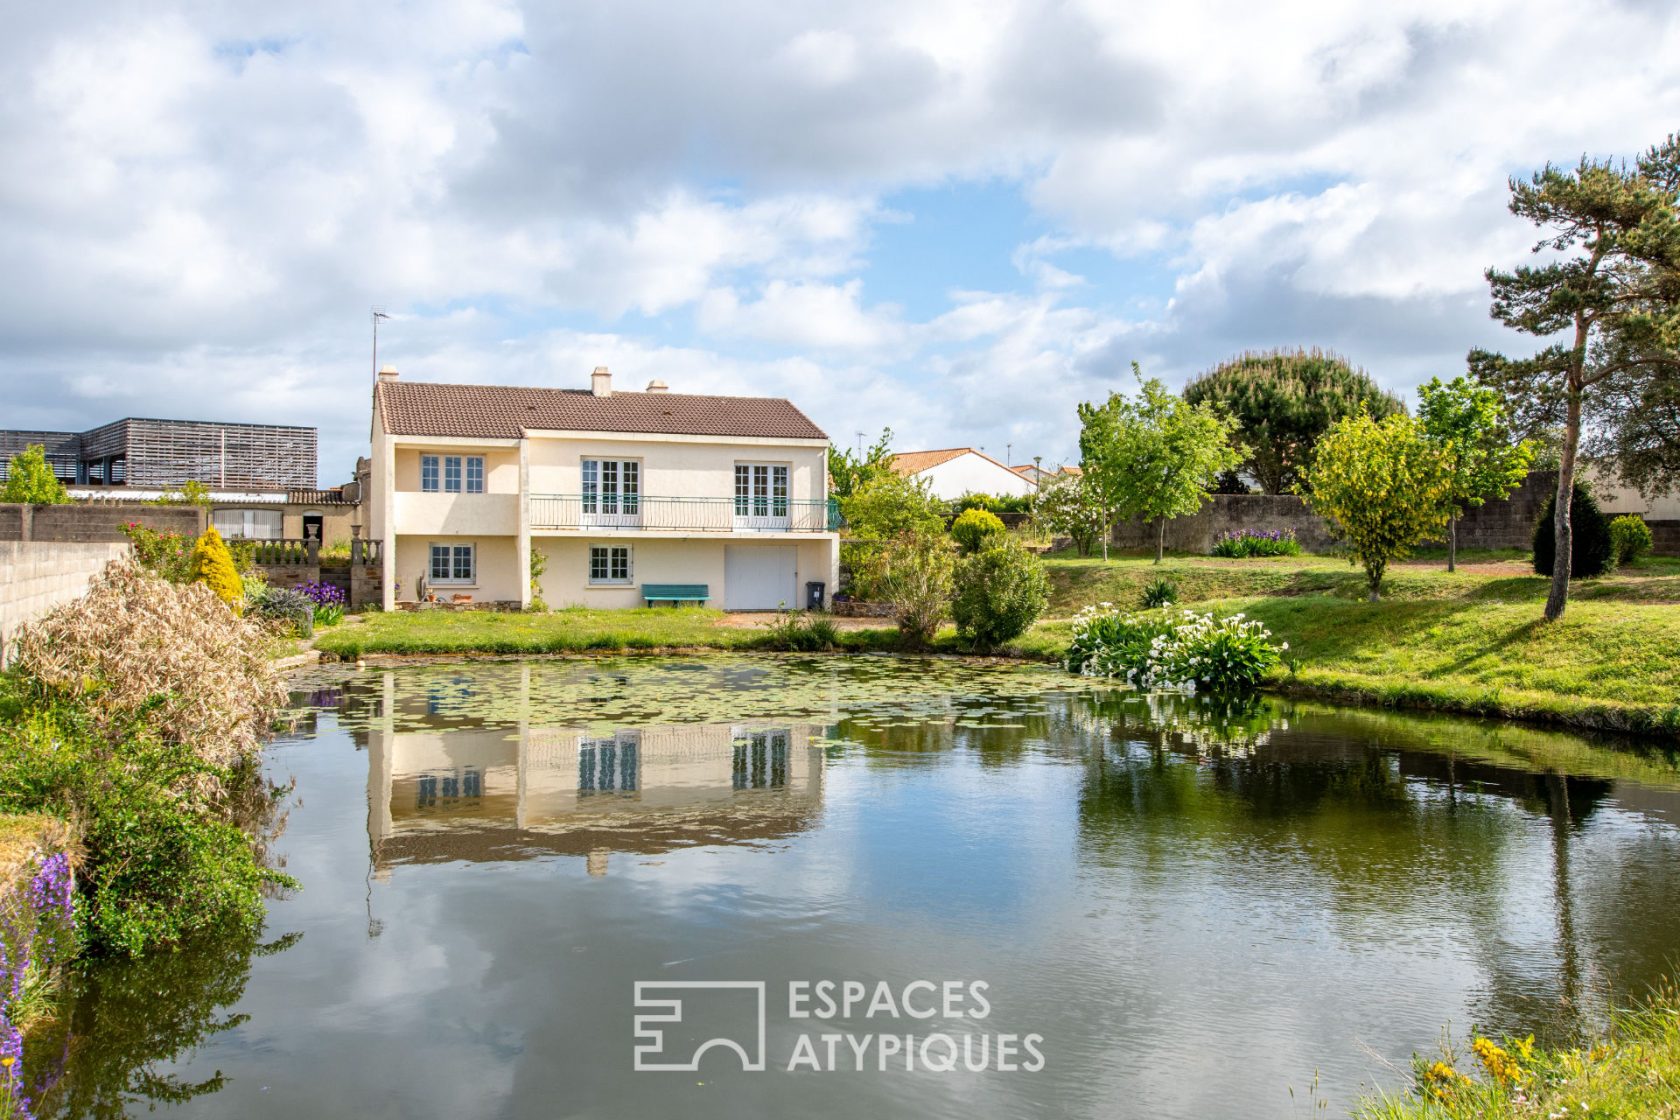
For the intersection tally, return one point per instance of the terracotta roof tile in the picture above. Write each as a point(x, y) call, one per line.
point(915, 462)
point(425, 408)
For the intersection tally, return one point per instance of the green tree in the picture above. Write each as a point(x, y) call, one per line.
point(30, 479)
point(885, 506)
point(1385, 484)
point(1283, 401)
point(1067, 506)
point(1610, 286)
point(1157, 456)
point(190, 493)
point(848, 473)
point(1467, 420)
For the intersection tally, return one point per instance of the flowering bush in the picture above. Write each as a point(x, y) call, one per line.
point(1257, 542)
point(328, 599)
point(1189, 652)
point(163, 554)
point(37, 935)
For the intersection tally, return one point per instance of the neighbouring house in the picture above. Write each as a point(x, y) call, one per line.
point(954, 471)
point(628, 495)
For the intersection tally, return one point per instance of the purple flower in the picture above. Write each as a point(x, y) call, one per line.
point(322, 594)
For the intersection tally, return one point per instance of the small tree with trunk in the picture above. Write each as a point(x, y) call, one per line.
point(1609, 288)
point(1467, 421)
point(1156, 456)
point(30, 479)
point(1066, 506)
point(1386, 486)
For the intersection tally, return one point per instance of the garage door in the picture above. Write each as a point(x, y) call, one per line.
point(759, 577)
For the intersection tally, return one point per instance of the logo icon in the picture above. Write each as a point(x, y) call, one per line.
point(660, 1005)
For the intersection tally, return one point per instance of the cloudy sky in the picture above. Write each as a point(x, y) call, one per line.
point(955, 218)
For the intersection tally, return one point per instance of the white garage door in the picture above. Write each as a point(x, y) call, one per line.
point(759, 577)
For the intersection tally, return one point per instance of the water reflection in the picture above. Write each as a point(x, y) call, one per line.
point(500, 794)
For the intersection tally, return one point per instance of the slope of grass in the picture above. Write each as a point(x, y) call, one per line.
point(1604, 664)
point(1632, 1071)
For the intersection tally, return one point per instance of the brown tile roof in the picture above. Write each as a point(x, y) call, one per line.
point(915, 462)
point(426, 408)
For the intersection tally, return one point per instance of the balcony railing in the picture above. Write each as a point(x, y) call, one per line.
point(703, 515)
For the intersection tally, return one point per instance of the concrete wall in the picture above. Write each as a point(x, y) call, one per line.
point(94, 521)
point(565, 582)
point(677, 466)
point(36, 576)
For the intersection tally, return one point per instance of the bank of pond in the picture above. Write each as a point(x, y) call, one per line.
point(1199, 905)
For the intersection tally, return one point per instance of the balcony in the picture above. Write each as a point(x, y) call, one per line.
point(686, 515)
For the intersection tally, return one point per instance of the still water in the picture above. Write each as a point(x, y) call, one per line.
point(1140, 907)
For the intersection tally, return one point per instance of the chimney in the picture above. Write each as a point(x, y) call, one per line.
point(600, 382)
point(387, 373)
point(657, 386)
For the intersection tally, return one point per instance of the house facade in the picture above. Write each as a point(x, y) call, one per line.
point(621, 492)
point(954, 471)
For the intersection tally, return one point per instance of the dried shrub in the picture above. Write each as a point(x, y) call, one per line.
point(137, 648)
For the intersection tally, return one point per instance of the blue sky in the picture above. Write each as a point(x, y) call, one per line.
point(956, 219)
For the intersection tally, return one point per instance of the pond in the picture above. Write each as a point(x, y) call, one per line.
point(931, 889)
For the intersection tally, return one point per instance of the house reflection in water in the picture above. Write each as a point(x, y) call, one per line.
point(517, 792)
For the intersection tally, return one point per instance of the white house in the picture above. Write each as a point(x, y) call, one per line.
point(627, 496)
point(956, 471)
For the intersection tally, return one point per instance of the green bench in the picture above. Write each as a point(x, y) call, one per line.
point(675, 593)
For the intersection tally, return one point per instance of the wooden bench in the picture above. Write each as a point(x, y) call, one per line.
point(675, 593)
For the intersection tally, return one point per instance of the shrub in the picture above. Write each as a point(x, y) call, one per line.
point(135, 645)
point(1190, 652)
point(992, 503)
point(212, 565)
point(292, 609)
point(802, 632)
point(1242, 544)
point(1590, 548)
point(1630, 539)
point(881, 509)
point(974, 527)
point(999, 592)
point(1160, 593)
point(168, 555)
point(915, 576)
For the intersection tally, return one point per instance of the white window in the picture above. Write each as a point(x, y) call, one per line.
point(612, 486)
point(761, 490)
point(609, 563)
point(452, 563)
point(251, 524)
point(447, 473)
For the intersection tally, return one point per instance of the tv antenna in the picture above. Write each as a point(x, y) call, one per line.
point(377, 315)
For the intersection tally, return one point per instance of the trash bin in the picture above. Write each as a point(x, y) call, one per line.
point(814, 595)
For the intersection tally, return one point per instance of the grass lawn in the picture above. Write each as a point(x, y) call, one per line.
point(1470, 641)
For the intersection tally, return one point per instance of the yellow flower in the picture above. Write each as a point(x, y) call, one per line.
point(1505, 1070)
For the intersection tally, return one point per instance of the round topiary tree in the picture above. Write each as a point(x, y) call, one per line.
point(974, 527)
point(212, 565)
point(999, 592)
point(1590, 552)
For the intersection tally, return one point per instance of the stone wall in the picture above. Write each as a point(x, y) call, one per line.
point(36, 576)
point(1507, 523)
point(94, 521)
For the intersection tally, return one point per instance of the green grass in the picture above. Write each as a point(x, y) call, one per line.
point(1471, 641)
point(1632, 1071)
